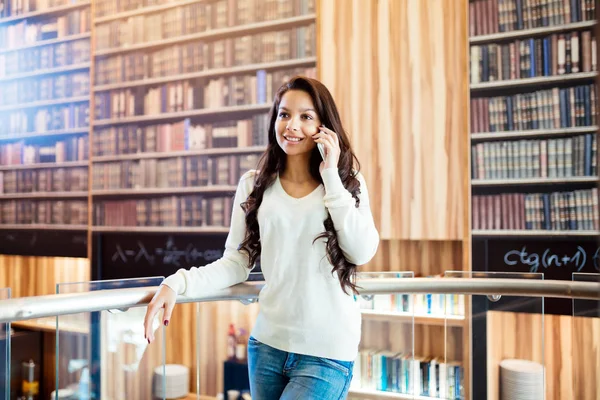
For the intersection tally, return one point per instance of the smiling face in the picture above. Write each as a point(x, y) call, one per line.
point(296, 122)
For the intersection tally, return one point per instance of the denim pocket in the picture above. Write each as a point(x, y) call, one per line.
point(344, 367)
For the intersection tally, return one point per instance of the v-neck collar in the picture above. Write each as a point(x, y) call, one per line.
point(286, 194)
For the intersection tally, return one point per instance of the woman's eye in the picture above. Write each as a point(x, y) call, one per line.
point(307, 116)
point(282, 115)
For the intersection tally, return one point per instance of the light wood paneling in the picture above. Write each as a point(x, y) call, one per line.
point(398, 72)
point(425, 258)
point(36, 276)
point(571, 351)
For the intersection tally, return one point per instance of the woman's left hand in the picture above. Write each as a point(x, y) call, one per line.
point(331, 144)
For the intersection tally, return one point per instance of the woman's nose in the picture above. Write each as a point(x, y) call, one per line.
point(293, 125)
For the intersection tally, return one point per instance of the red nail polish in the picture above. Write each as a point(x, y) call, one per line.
point(166, 322)
point(148, 341)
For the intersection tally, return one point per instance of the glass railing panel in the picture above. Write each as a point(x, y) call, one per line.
point(505, 354)
point(222, 332)
point(5, 334)
point(585, 328)
point(104, 355)
point(384, 365)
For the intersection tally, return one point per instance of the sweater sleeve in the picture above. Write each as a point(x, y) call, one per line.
point(356, 232)
point(230, 269)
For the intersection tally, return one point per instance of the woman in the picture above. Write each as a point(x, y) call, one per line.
point(308, 218)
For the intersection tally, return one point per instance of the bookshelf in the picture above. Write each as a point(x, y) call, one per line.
point(194, 104)
point(421, 318)
point(534, 178)
point(533, 119)
point(360, 393)
point(44, 120)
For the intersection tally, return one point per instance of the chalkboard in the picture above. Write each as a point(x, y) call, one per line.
point(128, 255)
point(556, 258)
point(45, 243)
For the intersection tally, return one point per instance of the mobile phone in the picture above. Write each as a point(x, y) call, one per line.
point(321, 150)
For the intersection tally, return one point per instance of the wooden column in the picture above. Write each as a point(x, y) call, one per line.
point(398, 70)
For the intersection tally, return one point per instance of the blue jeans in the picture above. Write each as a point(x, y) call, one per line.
point(276, 374)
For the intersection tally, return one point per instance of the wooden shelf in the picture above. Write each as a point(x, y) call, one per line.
point(184, 153)
point(216, 72)
point(31, 135)
point(46, 12)
point(49, 325)
point(546, 30)
point(44, 195)
point(51, 227)
point(215, 189)
point(215, 34)
point(194, 396)
point(478, 137)
point(66, 164)
point(65, 39)
point(377, 394)
point(142, 11)
point(541, 80)
point(419, 319)
point(531, 233)
point(240, 110)
point(46, 103)
point(49, 71)
point(163, 229)
point(534, 181)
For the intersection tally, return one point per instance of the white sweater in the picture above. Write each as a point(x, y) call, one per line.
point(302, 306)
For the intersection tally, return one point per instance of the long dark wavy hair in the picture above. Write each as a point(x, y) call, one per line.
point(273, 161)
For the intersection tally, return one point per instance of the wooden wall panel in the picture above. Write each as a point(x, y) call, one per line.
point(425, 258)
point(571, 351)
point(398, 72)
point(36, 276)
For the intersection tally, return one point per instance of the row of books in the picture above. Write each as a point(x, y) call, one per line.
point(565, 211)
point(40, 120)
point(40, 59)
point(416, 304)
point(172, 211)
point(238, 11)
point(172, 172)
point(195, 18)
point(547, 158)
point(492, 16)
point(46, 88)
point(180, 136)
point(388, 371)
point(70, 212)
point(109, 7)
point(555, 54)
point(205, 55)
point(194, 94)
point(11, 8)
point(543, 109)
point(30, 32)
point(280, 45)
point(44, 180)
point(69, 149)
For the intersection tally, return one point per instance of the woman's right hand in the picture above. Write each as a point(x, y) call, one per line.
point(164, 297)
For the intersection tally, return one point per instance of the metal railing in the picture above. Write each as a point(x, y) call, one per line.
point(25, 308)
